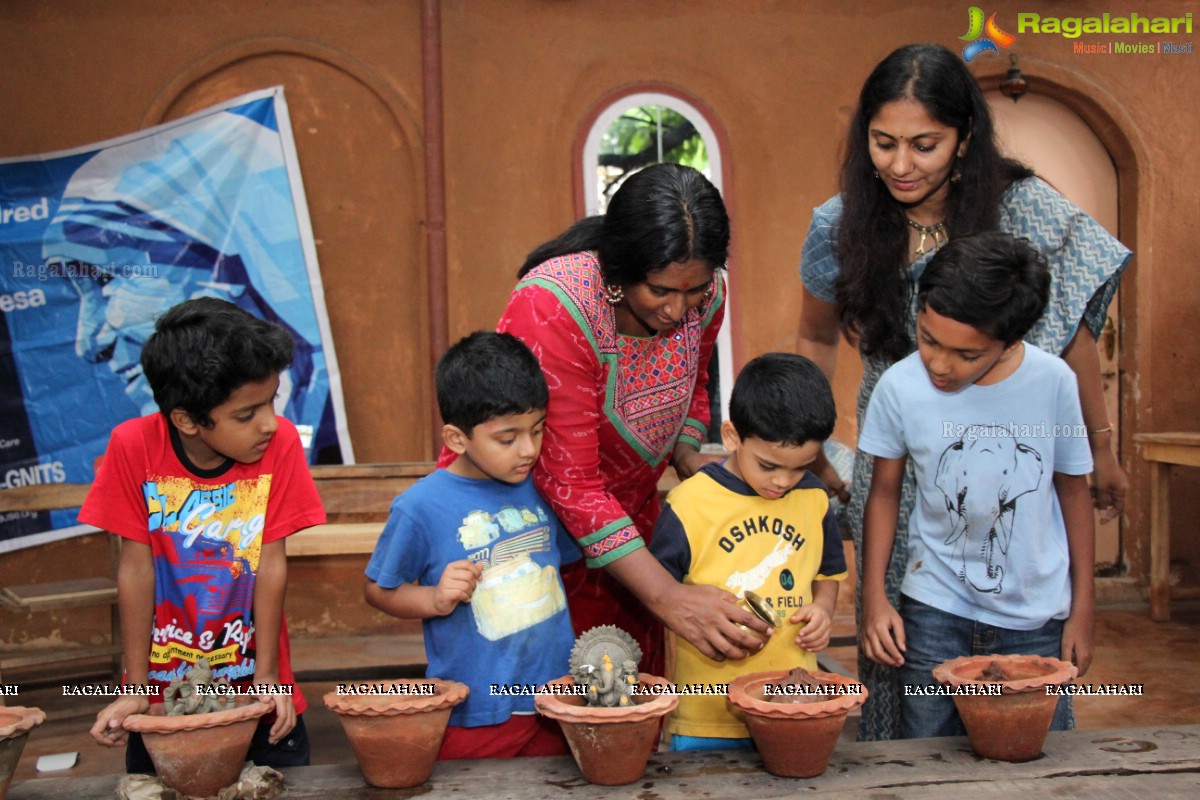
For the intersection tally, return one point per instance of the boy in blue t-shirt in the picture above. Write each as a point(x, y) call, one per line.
point(1001, 546)
point(473, 552)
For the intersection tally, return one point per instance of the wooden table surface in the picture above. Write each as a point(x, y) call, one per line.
point(1130, 763)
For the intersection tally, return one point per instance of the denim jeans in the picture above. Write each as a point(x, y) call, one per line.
point(934, 636)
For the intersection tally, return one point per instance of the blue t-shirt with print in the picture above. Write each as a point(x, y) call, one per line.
point(986, 538)
point(515, 633)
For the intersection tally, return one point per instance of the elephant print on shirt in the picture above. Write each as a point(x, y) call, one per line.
point(982, 475)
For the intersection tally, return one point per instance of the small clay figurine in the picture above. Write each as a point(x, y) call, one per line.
point(593, 664)
point(629, 672)
point(197, 693)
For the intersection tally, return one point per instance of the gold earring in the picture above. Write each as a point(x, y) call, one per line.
point(956, 177)
point(613, 295)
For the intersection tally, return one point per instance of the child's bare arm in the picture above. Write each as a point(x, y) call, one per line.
point(817, 617)
point(270, 587)
point(135, 600)
point(1079, 630)
point(883, 630)
point(410, 601)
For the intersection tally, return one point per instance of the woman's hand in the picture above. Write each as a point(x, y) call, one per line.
point(710, 619)
point(823, 469)
point(1109, 483)
point(688, 460)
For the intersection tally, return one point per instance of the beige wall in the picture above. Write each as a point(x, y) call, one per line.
point(521, 76)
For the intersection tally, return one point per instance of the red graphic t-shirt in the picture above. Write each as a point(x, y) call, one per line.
point(206, 529)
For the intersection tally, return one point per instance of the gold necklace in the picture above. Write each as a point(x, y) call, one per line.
point(937, 232)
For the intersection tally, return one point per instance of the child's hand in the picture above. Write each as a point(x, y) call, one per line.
point(1078, 639)
point(108, 729)
point(814, 636)
point(285, 716)
point(883, 633)
point(456, 585)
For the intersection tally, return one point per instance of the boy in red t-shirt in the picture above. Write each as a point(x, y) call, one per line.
point(204, 494)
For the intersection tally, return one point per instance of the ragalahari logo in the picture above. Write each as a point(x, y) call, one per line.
point(979, 42)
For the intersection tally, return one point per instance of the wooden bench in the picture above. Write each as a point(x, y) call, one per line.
point(54, 595)
point(334, 539)
point(357, 498)
point(364, 492)
point(1164, 450)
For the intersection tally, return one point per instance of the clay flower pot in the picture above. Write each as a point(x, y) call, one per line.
point(795, 740)
point(611, 745)
point(396, 735)
point(199, 754)
point(15, 724)
point(1011, 726)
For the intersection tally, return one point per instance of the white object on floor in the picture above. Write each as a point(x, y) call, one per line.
point(57, 761)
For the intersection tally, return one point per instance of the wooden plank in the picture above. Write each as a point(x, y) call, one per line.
point(376, 471)
point(1162, 762)
point(334, 539)
point(1186, 438)
point(364, 492)
point(16, 659)
point(1185, 456)
point(1160, 542)
point(43, 497)
point(60, 594)
point(1170, 448)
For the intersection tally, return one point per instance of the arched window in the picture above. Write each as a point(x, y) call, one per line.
point(639, 129)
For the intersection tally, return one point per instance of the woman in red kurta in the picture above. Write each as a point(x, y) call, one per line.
point(623, 311)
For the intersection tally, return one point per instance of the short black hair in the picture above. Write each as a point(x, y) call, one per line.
point(784, 399)
point(993, 282)
point(485, 375)
point(203, 349)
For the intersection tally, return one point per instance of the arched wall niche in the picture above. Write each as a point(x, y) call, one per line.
point(1121, 137)
point(717, 140)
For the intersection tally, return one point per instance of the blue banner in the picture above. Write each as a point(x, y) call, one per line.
point(96, 243)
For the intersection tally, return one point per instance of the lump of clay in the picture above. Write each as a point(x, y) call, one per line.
point(197, 693)
point(798, 686)
point(995, 673)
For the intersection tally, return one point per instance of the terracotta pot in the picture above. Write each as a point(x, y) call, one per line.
point(396, 737)
point(1010, 726)
point(15, 724)
point(611, 745)
point(795, 740)
point(199, 754)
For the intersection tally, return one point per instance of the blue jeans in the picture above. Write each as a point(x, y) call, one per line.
point(934, 636)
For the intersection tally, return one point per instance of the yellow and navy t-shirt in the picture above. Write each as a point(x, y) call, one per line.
point(715, 530)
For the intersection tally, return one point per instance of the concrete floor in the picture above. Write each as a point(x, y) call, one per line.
point(1165, 657)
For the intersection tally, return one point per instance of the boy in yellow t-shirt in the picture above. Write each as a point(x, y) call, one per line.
point(761, 522)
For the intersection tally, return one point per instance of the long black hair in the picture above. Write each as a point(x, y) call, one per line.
point(874, 287)
point(663, 214)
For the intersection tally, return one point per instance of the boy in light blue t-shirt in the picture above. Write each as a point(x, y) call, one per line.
point(1001, 539)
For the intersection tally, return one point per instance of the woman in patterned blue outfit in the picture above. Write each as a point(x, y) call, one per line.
point(921, 166)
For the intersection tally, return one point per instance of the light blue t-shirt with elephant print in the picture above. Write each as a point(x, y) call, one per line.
point(986, 537)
